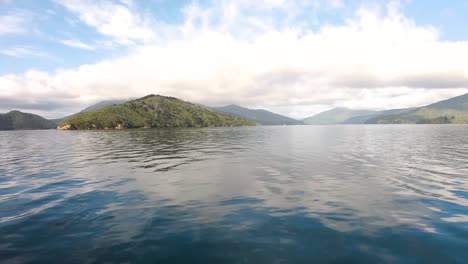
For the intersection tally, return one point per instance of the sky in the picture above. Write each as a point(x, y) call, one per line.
point(293, 57)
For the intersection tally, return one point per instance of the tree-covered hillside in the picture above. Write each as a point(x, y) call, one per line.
point(152, 111)
point(16, 120)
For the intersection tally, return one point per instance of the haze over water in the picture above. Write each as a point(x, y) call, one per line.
point(299, 194)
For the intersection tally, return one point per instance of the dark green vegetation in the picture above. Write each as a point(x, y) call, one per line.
point(451, 111)
point(90, 108)
point(259, 116)
point(152, 111)
point(16, 120)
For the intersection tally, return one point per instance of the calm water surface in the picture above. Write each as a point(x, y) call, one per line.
point(303, 194)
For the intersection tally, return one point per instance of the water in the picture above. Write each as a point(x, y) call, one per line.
point(303, 194)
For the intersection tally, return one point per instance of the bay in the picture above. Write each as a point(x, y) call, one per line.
point(294, 194)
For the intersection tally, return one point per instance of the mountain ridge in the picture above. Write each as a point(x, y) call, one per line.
point(335, 116)
point(450, 111)
point(260, 116)
point(17, 120)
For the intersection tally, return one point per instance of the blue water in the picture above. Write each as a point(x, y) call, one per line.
point(302, 194)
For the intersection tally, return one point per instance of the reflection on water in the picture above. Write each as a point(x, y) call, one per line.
point(304, 194)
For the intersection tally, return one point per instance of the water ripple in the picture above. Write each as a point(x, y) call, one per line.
point(261, 195)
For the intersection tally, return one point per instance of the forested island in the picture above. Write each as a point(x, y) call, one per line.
point(152, 111)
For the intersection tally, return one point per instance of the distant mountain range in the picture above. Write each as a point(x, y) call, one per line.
point(152, 111)
point(451, 111)
point(16, 120)
point(259, 116)
point(335, 116)
point(174, 112)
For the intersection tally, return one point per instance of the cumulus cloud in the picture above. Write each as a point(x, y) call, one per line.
point(234, 53)
point(112, 19)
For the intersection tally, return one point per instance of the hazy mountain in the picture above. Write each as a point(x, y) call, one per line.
point(152, 111)
point(364, 118)
point(103, 104)
point(259, 116)
point(336, 116)
point(16, 120)
point(90, 108)
point(453, 110)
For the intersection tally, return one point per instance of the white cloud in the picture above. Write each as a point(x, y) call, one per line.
point(336, 4)
point(76, 44)
point(375, 60)
point(112, 19)
point(22, 51)
point(13, 23)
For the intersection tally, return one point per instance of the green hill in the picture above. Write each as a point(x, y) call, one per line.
point(90, 108)
point(16, 120)
point(451, 111)
point(336, 116)
point(152, 111)
point(259, 116)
